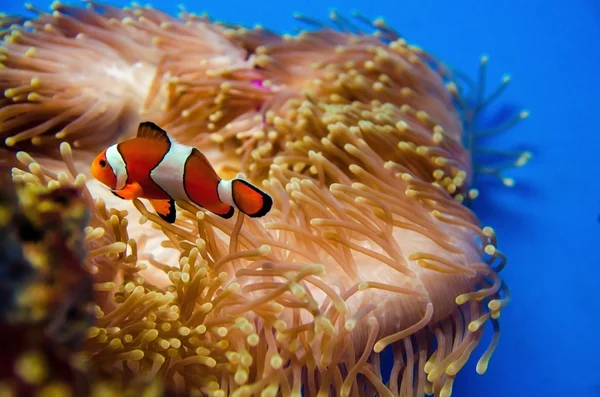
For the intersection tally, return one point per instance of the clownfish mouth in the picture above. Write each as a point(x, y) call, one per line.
point(114, 192)
point(104, 188)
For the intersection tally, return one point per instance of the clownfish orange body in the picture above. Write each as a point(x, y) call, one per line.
point(155, 167)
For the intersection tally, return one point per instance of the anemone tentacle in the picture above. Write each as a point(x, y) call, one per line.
point(358, 138)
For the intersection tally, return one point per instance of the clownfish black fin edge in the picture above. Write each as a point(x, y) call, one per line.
point(229, 213)
point(170, 214)
point(266, 200)
point(198, 154)
point(267, 205)
point(148, 129)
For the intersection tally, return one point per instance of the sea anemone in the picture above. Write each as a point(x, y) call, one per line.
point(359, 140)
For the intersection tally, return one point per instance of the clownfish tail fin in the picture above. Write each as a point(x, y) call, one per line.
point(245, 197)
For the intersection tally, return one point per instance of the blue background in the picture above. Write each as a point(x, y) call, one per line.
point(548, 224)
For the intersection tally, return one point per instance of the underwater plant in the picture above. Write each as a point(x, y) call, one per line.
point(358, 138)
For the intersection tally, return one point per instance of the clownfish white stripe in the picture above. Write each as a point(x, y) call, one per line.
point(225, 193)
point(168, 174)
point(116, 162)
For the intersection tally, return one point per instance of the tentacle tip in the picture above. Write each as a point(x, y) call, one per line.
point(509, 182)
point(56, 5)
point(379, 346)
point(264, 250)
point(65, 149)
point(482, 366)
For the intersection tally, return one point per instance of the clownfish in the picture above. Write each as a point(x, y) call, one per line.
point(156, 167)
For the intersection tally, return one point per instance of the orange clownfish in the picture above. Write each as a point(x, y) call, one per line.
point(156, 167)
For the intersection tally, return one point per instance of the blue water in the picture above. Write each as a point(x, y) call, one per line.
point(548, 224)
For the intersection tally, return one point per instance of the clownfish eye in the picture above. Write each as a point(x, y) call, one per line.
point(102, 163)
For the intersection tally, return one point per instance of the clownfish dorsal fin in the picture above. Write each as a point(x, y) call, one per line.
point(149, 130)
point(198, 154)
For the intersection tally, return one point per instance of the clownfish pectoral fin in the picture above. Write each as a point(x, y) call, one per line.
point(249, 199)
point(130, 191)
point(165, 209)
point(149, 130)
